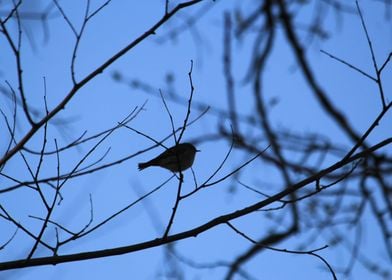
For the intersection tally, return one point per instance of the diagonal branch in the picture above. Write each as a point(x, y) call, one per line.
point(197, 230)
point(91, 76)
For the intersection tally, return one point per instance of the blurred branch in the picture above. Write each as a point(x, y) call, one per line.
point(197, 230)
point(89, 77)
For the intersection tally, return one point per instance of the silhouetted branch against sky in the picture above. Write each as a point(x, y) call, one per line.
point(286, 105)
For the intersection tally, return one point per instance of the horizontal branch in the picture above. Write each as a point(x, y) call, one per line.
point(224, 219)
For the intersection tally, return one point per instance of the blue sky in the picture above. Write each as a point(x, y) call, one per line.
point(104, 102)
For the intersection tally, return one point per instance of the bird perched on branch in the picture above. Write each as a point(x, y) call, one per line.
point(177, 158)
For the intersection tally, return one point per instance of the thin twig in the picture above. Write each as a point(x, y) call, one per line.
point(194, 231)
point(111, 217)
point(96, 169)
point(188, 112)
point(67, 20)
point(91, 76)
point(349, 65)
point(175, 207)
point(385, 62)
point(309, 252)
point(373, 56)
point(170, 117)
point(9, 240)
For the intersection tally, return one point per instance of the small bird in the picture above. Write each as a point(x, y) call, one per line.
point(176, 158)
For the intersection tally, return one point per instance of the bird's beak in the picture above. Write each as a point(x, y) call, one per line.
point(198, 151)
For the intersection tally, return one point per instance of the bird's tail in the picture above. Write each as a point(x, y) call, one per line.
point(143, 165)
